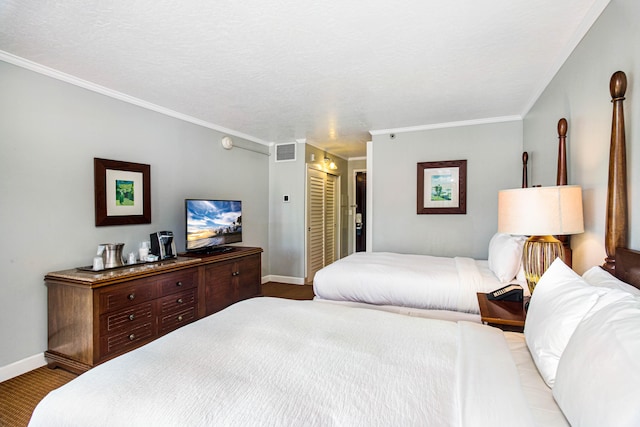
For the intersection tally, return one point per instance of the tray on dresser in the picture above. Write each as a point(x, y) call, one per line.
point(136, 264)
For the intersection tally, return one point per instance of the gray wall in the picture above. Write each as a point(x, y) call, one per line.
point(580, 93)
point(287, 229)
point(494, 162)
point(50, 131)
point(286, 235)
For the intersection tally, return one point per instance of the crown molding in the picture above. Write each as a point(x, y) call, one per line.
point(58, 75)
point(447, 125)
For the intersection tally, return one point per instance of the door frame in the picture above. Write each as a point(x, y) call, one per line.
point(352, 214)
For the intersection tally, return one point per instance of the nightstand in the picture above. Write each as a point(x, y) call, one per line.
point(506, 315)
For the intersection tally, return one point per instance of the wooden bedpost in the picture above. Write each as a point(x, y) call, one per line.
point(617, 212)
point(561, 179)
point(562, 152)
point(525, 176)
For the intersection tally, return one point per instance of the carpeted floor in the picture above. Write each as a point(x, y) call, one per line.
point(20, 395)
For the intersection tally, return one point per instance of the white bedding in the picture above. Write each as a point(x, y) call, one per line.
point(454, 316)
point(538, 395)
point(268, 361)
point(407, 280)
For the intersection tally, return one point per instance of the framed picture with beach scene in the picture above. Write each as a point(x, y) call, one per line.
point(442, 187)
point(122, 192)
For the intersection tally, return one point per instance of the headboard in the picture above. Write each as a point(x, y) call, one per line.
point(628, 266)
point(561, 177)
point(620, 261)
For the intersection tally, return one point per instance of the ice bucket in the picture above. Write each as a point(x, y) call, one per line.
point(112, 255)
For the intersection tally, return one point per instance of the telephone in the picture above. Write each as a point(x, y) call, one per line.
point(510, 292)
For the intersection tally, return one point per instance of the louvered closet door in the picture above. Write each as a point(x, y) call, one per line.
point(330, 220)
point(315, 222)
point(321, 221)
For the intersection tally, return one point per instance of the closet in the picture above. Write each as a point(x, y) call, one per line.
point(322, 220)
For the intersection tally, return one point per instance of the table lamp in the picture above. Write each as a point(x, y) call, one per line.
point(541, 213)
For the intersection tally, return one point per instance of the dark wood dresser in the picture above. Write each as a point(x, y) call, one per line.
point(95, 316)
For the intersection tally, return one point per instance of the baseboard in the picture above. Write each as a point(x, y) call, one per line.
point(22, 366)
point(283, 279)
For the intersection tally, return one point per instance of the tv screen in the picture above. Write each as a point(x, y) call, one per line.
point(212, 223)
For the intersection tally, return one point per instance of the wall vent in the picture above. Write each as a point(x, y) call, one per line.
point(286, 152)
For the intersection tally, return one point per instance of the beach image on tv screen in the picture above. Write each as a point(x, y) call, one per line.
point(213, 223)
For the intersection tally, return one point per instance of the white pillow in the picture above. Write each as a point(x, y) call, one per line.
point(559, 302)
point(598, 276)
point(599, 371)
point(505, 255)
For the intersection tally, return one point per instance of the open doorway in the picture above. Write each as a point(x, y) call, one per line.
point(360, 216)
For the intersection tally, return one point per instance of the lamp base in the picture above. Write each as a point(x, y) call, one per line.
point(537, 255)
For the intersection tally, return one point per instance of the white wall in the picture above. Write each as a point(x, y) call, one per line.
point(580, 93)
point(50, 131)
point(494, 162)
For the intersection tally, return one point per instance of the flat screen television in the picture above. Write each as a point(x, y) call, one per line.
point(211, 224)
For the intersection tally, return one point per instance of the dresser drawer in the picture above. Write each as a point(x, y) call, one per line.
point(127, 295)
point(126, 340)
point(178, 281)
point(126, 319)
point(177, 301)
point(96, 316)
point(175, 320)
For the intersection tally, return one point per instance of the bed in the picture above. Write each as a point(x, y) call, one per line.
point(431, 286)
point(268, 361)
point(422, 285)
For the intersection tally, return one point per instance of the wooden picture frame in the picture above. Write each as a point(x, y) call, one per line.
point(442, 187)
point(122, 192)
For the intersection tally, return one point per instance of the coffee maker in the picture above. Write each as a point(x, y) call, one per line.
point(162, 244)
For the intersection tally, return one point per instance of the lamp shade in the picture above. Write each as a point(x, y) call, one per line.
point(541, 211)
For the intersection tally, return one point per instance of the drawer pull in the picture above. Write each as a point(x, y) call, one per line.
point(132, 337)
point(180, 318)
point(235, 273)
point(178, 283)
point(132, 316)
point(179, 301)
point(132, 297)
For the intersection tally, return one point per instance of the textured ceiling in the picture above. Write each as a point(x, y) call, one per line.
point(329, 72)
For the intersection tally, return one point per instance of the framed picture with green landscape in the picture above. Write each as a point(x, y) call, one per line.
point(442, 187)
point(122, 192)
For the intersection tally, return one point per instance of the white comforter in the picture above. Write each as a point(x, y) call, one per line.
point(417, 281)
point(277, 362)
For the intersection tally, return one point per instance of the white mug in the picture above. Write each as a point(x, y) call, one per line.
point(143, 252)
point(98, 264)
